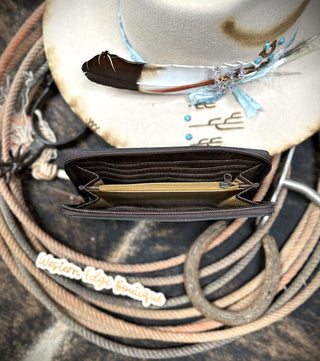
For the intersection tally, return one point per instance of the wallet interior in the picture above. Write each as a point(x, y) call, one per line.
point(167, 180)
point(213, 193)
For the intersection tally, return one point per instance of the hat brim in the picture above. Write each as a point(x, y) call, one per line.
point(75, 31)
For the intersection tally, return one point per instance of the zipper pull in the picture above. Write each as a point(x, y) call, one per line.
point(89, 188)
point(227, 180)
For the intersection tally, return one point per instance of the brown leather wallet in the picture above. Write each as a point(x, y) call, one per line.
point(168, 184)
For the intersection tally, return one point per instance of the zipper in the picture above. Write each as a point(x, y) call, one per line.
point(227, 181)
point(78, 155)
point(174, 214)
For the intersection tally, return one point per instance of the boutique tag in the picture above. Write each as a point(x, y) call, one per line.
point(99, 280)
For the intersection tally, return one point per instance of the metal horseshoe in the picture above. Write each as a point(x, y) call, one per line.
point(257, 308)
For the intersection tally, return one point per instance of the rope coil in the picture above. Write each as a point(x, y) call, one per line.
point(87, 312)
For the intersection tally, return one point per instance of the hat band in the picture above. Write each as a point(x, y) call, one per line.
point(133, 54)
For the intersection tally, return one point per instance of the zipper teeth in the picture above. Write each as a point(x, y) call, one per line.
point(208, 210)
point(76, 155)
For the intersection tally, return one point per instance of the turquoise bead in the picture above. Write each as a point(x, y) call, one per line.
point(257, 61)
point(271, 57)
point(281, 41)
point(187, 118)
point(266, 46)
point(188, 136)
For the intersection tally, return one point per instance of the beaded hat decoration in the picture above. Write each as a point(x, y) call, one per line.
point(161, 73)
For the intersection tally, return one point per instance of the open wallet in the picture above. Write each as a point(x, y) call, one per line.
point(168, 184)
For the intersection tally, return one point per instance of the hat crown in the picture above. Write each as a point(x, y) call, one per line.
point(207, 32)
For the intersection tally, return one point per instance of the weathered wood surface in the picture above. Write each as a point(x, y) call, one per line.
point(28, 332)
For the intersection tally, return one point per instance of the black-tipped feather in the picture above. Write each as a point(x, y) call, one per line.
point(111, 70)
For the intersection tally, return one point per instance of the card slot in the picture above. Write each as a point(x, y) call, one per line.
point(182, 163)
point(203, 170)
point(170, 175)
point(153, 179)
point(109, 180)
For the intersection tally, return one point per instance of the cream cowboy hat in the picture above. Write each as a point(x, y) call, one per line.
point(219, 35)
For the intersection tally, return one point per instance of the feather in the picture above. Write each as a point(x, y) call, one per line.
point(112, 70)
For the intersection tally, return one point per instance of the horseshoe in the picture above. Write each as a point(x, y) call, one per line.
point(230, 317)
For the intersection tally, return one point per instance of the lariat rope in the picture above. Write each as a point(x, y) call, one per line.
point(94, 315)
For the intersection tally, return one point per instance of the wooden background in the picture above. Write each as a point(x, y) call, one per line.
point(28, 332)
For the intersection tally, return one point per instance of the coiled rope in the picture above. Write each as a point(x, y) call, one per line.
point(87, 312)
